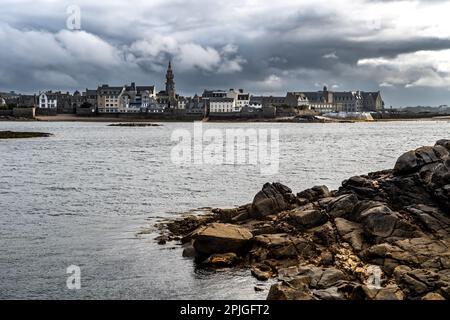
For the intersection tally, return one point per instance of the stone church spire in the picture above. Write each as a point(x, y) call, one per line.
point(170, 84)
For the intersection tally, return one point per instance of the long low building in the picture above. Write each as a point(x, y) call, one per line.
point(329, 101)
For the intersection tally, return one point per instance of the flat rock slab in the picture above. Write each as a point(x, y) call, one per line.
point(221, 238)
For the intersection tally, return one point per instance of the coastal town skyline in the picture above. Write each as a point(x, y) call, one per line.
point(211, 104)
point(264, 48)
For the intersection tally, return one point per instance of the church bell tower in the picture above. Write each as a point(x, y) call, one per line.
point(170, 84)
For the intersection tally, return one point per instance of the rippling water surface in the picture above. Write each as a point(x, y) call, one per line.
point(83, 196)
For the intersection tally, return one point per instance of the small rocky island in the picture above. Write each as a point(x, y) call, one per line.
point(380, 236)
point(17, 135)
point(134, 124)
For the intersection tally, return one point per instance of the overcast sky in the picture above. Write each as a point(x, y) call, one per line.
point(399, 47)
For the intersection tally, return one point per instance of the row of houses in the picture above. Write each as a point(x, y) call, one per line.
point(133, 98)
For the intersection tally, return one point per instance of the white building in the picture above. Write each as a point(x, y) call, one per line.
point(181, 103)
point(48, 100)
point(242, 100)
point(222, 105)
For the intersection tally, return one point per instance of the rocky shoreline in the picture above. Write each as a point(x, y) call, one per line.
point(380, 236)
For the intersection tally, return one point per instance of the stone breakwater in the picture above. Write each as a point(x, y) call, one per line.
point(380, 236)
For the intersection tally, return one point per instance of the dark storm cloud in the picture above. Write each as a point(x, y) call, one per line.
point(261, 46)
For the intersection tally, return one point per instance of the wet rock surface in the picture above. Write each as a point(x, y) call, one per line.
point(380, 236)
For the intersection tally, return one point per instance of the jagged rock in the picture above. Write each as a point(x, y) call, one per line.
point(362, 186)
point(305, 219)
point(413, 160)
point(331, 293)
point(222, 260)
point(444, 143)
point(440, 175)
point(391, 292)
point(324, 234)
point(234, 214)
point(315, 193)
point(259, 227)
point(428, 253)
point(189, 251)
point(442, 196)
point(262, 272)
point(280, 246)
point(319, 278)
point(351, 232)
point(342, 205)
point(381, 221)
point(431, 218)
point(326, 259)
point(403, 191)
point(283, 292)
point(221, 238)
point(273, 198)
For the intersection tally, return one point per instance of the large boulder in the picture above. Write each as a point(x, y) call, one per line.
point(305, 219)
point(440, 175)
point(221, 238)
point(273, 198)
point(443, 143)
point(413, 160)
point(314, 193)
point(361, 185)
point(379, 221)
point(342, 205)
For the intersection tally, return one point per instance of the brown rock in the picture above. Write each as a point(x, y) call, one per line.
point(221, 238)
point(222, 260)
point(273, 198)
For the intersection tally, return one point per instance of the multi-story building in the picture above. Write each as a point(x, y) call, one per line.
point(48, 100)
point(274, 101)
point(256, 102)
point(351, 101)
point(125, 99)
point(327, 101)
point(296, 99)
point(242, 99)
point(196, 105)
point(136, 98)
point(108, 98)
point(372, 101)
point(220, 105)
point(90, 97)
